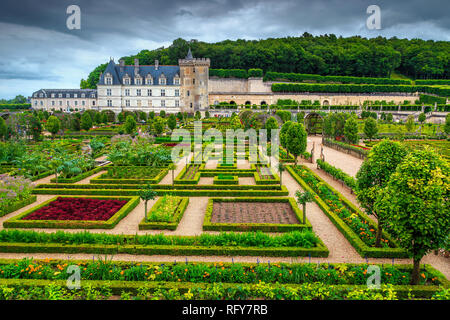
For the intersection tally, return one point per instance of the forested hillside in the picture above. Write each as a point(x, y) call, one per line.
point(323, 55)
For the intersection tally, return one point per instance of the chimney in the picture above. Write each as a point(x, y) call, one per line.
point(136, 66)
point(156, 64)
point(122, 64)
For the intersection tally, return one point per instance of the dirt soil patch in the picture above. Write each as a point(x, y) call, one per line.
point(253, 212)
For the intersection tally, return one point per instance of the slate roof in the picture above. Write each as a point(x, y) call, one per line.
point(115, 70)
point(71, 92)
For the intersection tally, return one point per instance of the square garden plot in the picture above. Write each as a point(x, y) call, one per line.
point(69, 212)
point(251, 214)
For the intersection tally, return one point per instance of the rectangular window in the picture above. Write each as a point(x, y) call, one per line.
point(127, 103)
point(138, 92)
point(60, 95)
point(127, 92)
point(177, 103)
point(83, 103)
point(163, 103)
point(177, 92)
point(109, 102)
point(43, 103)
point(108, 92)
point(93, 103)
point(75, 95)
point(149, 92)
point(53, 95)
point(76, 103)
point(177, 81)
point(53, 103)
point(188, 93)
point(108, 81)
point(163, 93)
point(60, 103)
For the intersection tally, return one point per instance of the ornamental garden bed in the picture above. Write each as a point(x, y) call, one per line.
point(291, 244)
point(80, 176)
point(251, 214)
point(132, 175)
point(225, 179)
point(265, 175)
point(166, 213)
point(75, 212)
point(356, 226)
point(20, 203)
point(128, 275)
point(189, 174)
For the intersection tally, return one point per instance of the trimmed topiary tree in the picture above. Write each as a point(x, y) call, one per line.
point(271, 123)
point(374, 174)
point(370, 127)
point(86, 121)
point(53, 125)
point(296, 139)
point(351, 130)
point(416, 200)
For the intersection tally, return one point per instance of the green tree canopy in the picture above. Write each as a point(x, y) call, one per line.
point(297, 139)
point(86, 121)
point(416, 201)
point(130, 125)
point(370, 127)
point(53, 125)
point(351, 130)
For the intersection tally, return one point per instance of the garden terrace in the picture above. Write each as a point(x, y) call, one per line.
point(166, 213)
point(356, 226)
point(75, 212)
point(251, 214)
point(291, 244)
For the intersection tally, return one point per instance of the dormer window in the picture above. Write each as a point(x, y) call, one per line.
point(53, 95)
point(126, 80)
point(162, 80)
point(148, 80)
point(138, 81)
point(176, 81)
point(83, 95)
point(67, 95)
point(59, 95)
point(41, 95)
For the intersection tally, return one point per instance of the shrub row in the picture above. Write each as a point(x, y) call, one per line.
point(229, 192)
point(310, 239)
point(17, 222)
point(363, 249)
point(228, 73)
point(338, 145)
point(227, 244)
point(337, 173)
point(433, 81)
point(15, 106)
point(16, 288)
point(298, 77)
point(173, 224)
point(358, 88)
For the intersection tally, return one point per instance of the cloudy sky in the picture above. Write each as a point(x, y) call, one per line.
point(39, 51)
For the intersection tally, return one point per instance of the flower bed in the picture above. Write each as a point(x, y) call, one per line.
point(357, 227)
point(283, 273)
point(279, 215)
point(166, 213)
point(15, 193)
point(75, 212)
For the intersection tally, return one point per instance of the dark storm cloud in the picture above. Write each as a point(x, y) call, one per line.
point(35, 30)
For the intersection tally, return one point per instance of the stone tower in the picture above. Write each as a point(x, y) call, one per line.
point(194, 74)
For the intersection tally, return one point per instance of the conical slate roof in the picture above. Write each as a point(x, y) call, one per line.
point(189, 55)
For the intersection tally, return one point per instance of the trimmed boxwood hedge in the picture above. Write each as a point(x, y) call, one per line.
point(227, 191)
point(18, 205)
point(355, 241)
point(17, 222)
point(259, 180)
point(337, 173)
point(173, 224)
point(181, 180)
point(265, 227)
point(234, 180)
